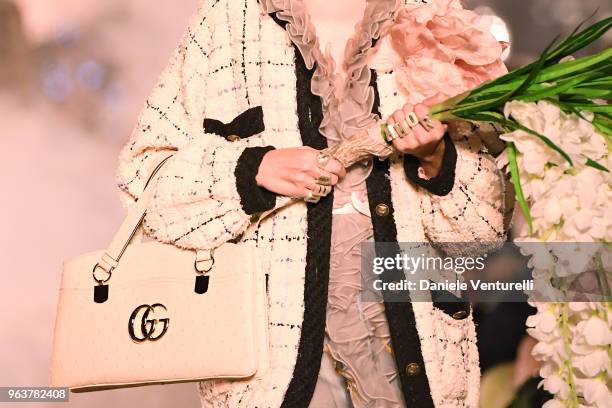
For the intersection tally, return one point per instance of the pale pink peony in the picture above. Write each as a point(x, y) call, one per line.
point(439, 48)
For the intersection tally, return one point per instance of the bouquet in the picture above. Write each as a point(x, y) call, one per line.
point(555, 119)
point(441, 48)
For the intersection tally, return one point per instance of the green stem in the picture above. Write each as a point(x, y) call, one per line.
point(572, 400)
point(448, 104)
point(516, 181)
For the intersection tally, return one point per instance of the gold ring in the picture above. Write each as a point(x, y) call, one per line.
point(427, 123)
point(323, 180)
point(312, 198)
point(400, 129)
point(391, 133)
point(412, 119)
point(322, 190)
point(323, 159)
point(406, 126)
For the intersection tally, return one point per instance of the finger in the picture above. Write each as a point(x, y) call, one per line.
point(438, 131)
point(322, 176)
point(398, 116)
point(306, 180)
point(406, 144)
point(304, 193)
point(310, 184)
point(434, 135)
point(420, 134)
point(335, 167)
point(322, 191)
point(290, 189)
point(437, 98)
point(334, 179)
point(421, 110)
point(408, 108)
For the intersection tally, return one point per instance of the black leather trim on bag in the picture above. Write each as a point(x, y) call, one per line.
point(248, 123)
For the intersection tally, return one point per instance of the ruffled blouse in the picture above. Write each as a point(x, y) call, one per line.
point(357, 334)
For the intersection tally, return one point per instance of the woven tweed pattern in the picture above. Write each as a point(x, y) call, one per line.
point(475, 207)
point(223, 66)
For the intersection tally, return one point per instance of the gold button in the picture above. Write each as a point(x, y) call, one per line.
point(233, 138)
point(460, 315)
point(382, 210)
point(413, 369)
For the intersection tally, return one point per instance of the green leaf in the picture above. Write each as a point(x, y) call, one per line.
point(514, 125)
point(603, 128)
point(556, 89)
point(582, 39)
point(518, 189)
point(591, 107)
point(589, 93)
point(573, 43)
point(537, 68)
point(548, 142)
point(595, 165)
point(600, 121)
point(501, 100)
point(599, 65)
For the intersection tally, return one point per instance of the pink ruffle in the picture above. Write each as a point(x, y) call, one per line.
point(358, 335)
point(352, 112)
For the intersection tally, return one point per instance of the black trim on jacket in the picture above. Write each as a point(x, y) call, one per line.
point(253, 198)
point(310, 351)
point(400, 315)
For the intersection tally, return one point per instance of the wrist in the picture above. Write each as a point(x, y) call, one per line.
point(259, 176)
point(432, 163)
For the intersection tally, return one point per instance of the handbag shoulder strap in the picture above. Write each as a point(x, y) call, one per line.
point(110, 259)
point(133, 220)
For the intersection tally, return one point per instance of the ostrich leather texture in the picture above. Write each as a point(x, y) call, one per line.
point(221, 333)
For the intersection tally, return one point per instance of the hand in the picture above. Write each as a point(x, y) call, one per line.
point(525, 365)
point(293, 171)
point(427, 146)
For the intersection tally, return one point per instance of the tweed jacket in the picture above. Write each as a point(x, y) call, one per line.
point(236, 87)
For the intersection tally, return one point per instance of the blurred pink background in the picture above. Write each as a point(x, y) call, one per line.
point(70, 92)
point(73, 76)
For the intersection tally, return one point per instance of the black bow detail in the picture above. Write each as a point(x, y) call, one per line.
point(248, 123)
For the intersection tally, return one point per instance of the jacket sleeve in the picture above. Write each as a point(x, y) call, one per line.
point(206, 192)
point(465, 211)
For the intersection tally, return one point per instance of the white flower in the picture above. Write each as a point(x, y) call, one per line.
point(567, 204)
point(597, 332)
point(595, 392)
point(556, 385)
point(593, 362)
point(553, 403)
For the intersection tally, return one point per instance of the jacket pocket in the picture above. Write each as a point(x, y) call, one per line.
point(248, 123)
point(456, 307)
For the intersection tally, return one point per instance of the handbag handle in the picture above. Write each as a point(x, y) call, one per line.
point(204, 258)
point(129, 227)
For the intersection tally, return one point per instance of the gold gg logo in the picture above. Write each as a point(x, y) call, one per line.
point(148, 329)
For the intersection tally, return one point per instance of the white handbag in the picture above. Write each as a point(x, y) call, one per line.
point(161, 314)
